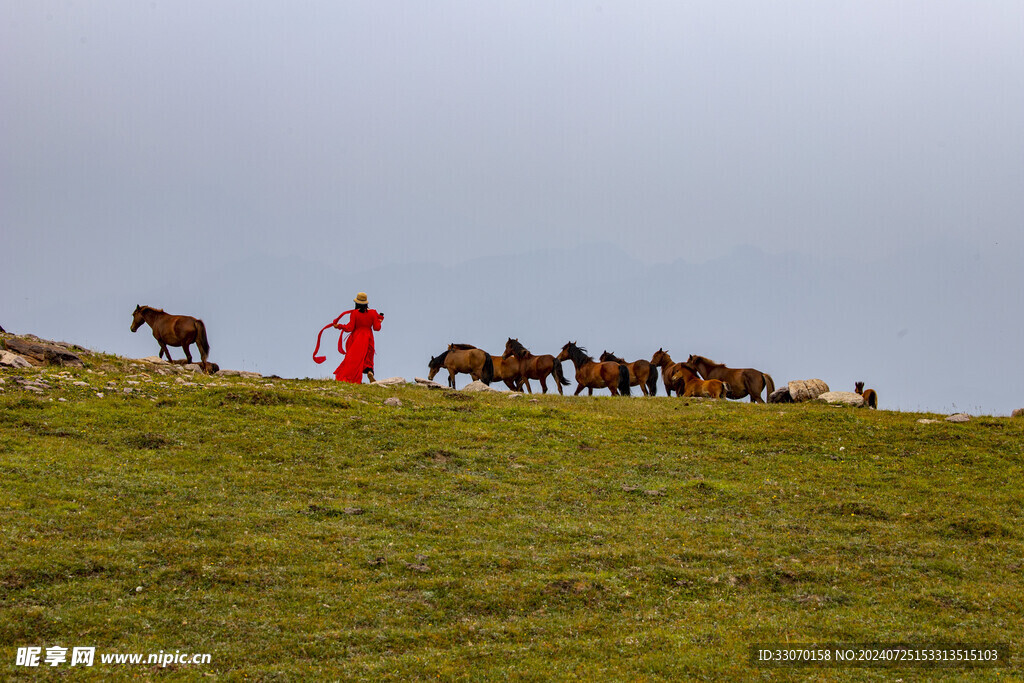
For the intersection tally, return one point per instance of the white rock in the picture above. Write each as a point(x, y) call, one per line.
point(393, 401)
point(926, 421)
point(9, 359)
point(156, 360)
point(477, 385)
point(842, 398)
point(390, 381)
point(959, 417)
point(428, 383)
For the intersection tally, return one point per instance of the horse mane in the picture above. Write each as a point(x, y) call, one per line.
point(610, 356)
point(437, 361)
point(518, 350)
point(462, 347)
point(578, 354)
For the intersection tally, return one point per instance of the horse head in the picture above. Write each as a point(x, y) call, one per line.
point(137, 318)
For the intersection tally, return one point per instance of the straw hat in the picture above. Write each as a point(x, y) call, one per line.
point(361, 298)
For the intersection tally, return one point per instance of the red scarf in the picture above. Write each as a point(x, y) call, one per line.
point(341, 348)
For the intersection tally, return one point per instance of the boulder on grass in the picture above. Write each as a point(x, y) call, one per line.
point(848, 398)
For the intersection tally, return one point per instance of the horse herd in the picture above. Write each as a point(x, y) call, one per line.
point(697, 377)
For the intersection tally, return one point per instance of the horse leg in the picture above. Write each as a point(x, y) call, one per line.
point(165, 352)
point(451, 379)
point(188, 356)
point(543, 385)
point(579, 388)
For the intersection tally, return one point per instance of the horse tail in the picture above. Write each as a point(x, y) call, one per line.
point(871, 398)
point(437, 361)
point(623, 380)
point(768, 383)
point(201, 341)
point(652, 380)
point(487, 375)
point(556, 370)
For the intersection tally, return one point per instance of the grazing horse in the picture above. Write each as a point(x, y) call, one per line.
point(870, 396)
point(684, 380)
point(535, 367)
point(173, 330)
point(591, 374)
point(641, 373)
point(741, 381)
point(509, 370)
point(463, 358)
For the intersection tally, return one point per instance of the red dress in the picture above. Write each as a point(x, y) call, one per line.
point(359, 349)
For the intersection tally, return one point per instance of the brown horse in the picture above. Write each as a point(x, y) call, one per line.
point(641, 373)
point(870, 395)
point(173, 330)
point(535, 367)
point(669, 371)
point(463, 358)
point(591, 374)
point(509, 370)
point(694, 387)
point(684, 380)
point(741, 381)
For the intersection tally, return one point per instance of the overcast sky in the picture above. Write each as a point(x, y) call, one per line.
point(366, 133)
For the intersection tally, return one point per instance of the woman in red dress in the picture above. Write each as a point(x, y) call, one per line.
point(359, 349)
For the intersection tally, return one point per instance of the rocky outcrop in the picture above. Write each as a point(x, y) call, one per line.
point(1019, 412)
point(44, 354)
point(13, 360)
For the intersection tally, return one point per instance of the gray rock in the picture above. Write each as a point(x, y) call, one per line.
point(389, 381)
point(959, 417)
point(13, 360)
point(49, 354)
point(848, 398)
point(477, 385)
point(1019, 412)
point(428, 383)
point(393, 401)
point(806, 390)
point(926, 421)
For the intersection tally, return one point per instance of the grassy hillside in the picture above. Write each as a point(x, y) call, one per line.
point(306, 530)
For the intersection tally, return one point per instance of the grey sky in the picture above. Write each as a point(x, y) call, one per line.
point(363, 134)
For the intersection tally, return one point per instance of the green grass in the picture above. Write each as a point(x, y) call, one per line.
point(305, 530)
